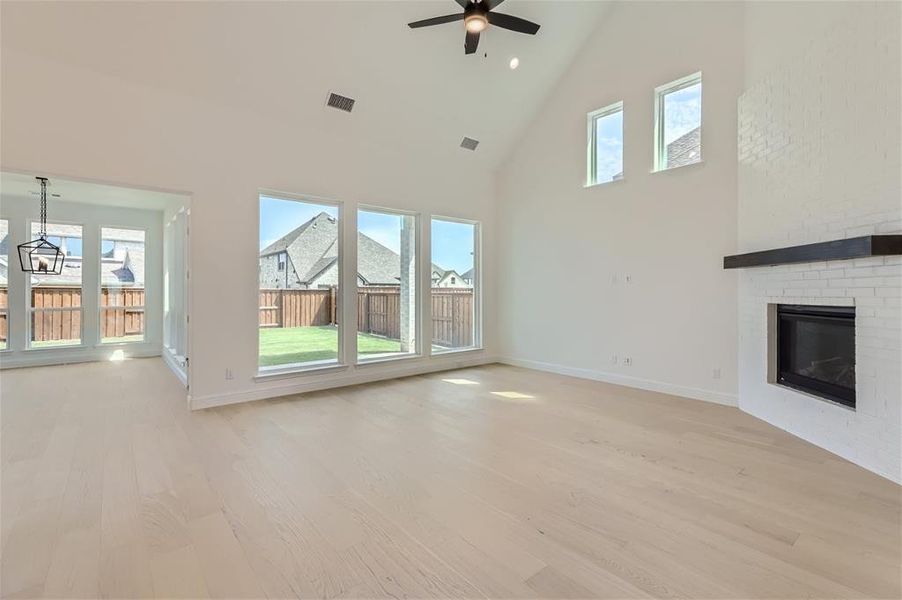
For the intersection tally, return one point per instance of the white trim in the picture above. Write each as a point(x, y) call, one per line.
point(627, 380)
point(355, 377)
point(176, 364)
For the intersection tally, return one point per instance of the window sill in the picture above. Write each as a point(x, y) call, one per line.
point(60, 347)
point(288, 372)
point(603, 183)
point(457, 351)
point(697, 164)
point(379, 360)
point(103, 345)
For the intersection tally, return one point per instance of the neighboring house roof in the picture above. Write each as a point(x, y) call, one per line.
point(125, 268)
point(313, 247)
point(467, 275)
point(685, 149)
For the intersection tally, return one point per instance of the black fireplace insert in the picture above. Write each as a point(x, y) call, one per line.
point(816, 350)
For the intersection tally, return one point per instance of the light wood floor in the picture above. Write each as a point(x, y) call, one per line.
point(433, 486)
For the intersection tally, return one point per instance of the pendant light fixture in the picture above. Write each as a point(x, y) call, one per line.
point(40, 256)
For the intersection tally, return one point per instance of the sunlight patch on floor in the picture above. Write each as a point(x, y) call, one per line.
point(461, 381)
point(514, 396)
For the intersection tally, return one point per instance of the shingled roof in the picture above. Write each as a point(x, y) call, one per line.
point(122, 268)
point(312, 248)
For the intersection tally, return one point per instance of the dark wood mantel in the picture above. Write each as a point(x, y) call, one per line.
point(858, 247)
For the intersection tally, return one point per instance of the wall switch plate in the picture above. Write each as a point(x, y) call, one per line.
point(627, 361)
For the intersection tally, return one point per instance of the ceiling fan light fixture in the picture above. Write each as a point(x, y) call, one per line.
point(476, 22)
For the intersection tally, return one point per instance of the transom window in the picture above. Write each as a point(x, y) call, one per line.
point(678, 123)
point(605, 144)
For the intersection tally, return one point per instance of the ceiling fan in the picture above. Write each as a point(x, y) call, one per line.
point(477, 16)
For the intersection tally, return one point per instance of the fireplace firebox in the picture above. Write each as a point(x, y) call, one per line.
point(816, 350)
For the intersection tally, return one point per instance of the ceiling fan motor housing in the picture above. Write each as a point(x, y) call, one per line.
point(475, 18)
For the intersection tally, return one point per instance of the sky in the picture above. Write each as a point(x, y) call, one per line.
point(452, 243)
point(682, 112)
point(609, 146)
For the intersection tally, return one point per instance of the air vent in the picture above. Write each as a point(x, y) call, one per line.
point(340, 102)
point(469, 143)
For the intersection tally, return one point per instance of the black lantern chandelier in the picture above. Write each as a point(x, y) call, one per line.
point(40, 256)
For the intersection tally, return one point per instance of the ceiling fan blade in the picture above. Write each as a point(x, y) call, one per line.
point(512, 23)
point(471, 43)
point(436, 21)
point(463, 3)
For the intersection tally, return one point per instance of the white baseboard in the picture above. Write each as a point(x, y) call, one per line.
point(176, 364)
point(310, 382)
point(626, 380)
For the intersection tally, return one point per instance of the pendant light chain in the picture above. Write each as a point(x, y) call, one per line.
point(43, 233)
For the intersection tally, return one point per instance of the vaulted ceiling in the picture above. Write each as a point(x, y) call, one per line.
point(415, 89)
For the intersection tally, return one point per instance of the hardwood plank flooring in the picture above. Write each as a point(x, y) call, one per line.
point(490, 482)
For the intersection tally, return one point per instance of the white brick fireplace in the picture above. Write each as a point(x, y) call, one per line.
point(819, 160)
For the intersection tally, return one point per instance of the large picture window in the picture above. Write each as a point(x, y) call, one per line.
point(122, 293)
point(4, 284)
point(386, 284)
point(56, 300)
point(455, 280)
point(298, 283)
point(678, 123)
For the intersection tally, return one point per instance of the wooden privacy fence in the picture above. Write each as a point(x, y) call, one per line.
point(123, 312)
point(58, 313)
point(378, 312)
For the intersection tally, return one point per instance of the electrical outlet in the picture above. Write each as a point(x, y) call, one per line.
point(627, 361)
point(716, 373)
point(228, 375)
point(628, 278)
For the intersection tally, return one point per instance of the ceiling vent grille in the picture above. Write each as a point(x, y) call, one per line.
point(340, 102)
point(469, 143)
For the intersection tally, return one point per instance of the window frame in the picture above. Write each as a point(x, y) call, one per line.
point(341, 361)
point(100, 307)
point(5, 310)
point(29, 307)
point(418, 296)
point(592, 119)
point(477, 344)
point(660, 93)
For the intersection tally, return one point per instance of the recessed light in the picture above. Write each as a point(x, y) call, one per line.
point(515, 62)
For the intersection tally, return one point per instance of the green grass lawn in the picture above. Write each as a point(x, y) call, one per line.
point(293, 345)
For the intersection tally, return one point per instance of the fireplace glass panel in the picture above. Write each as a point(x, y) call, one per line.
point(816, 351)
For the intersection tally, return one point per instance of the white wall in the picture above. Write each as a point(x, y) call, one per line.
point(819, 159)
point(92, 217)
point(62, 119)
point(561, 245)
